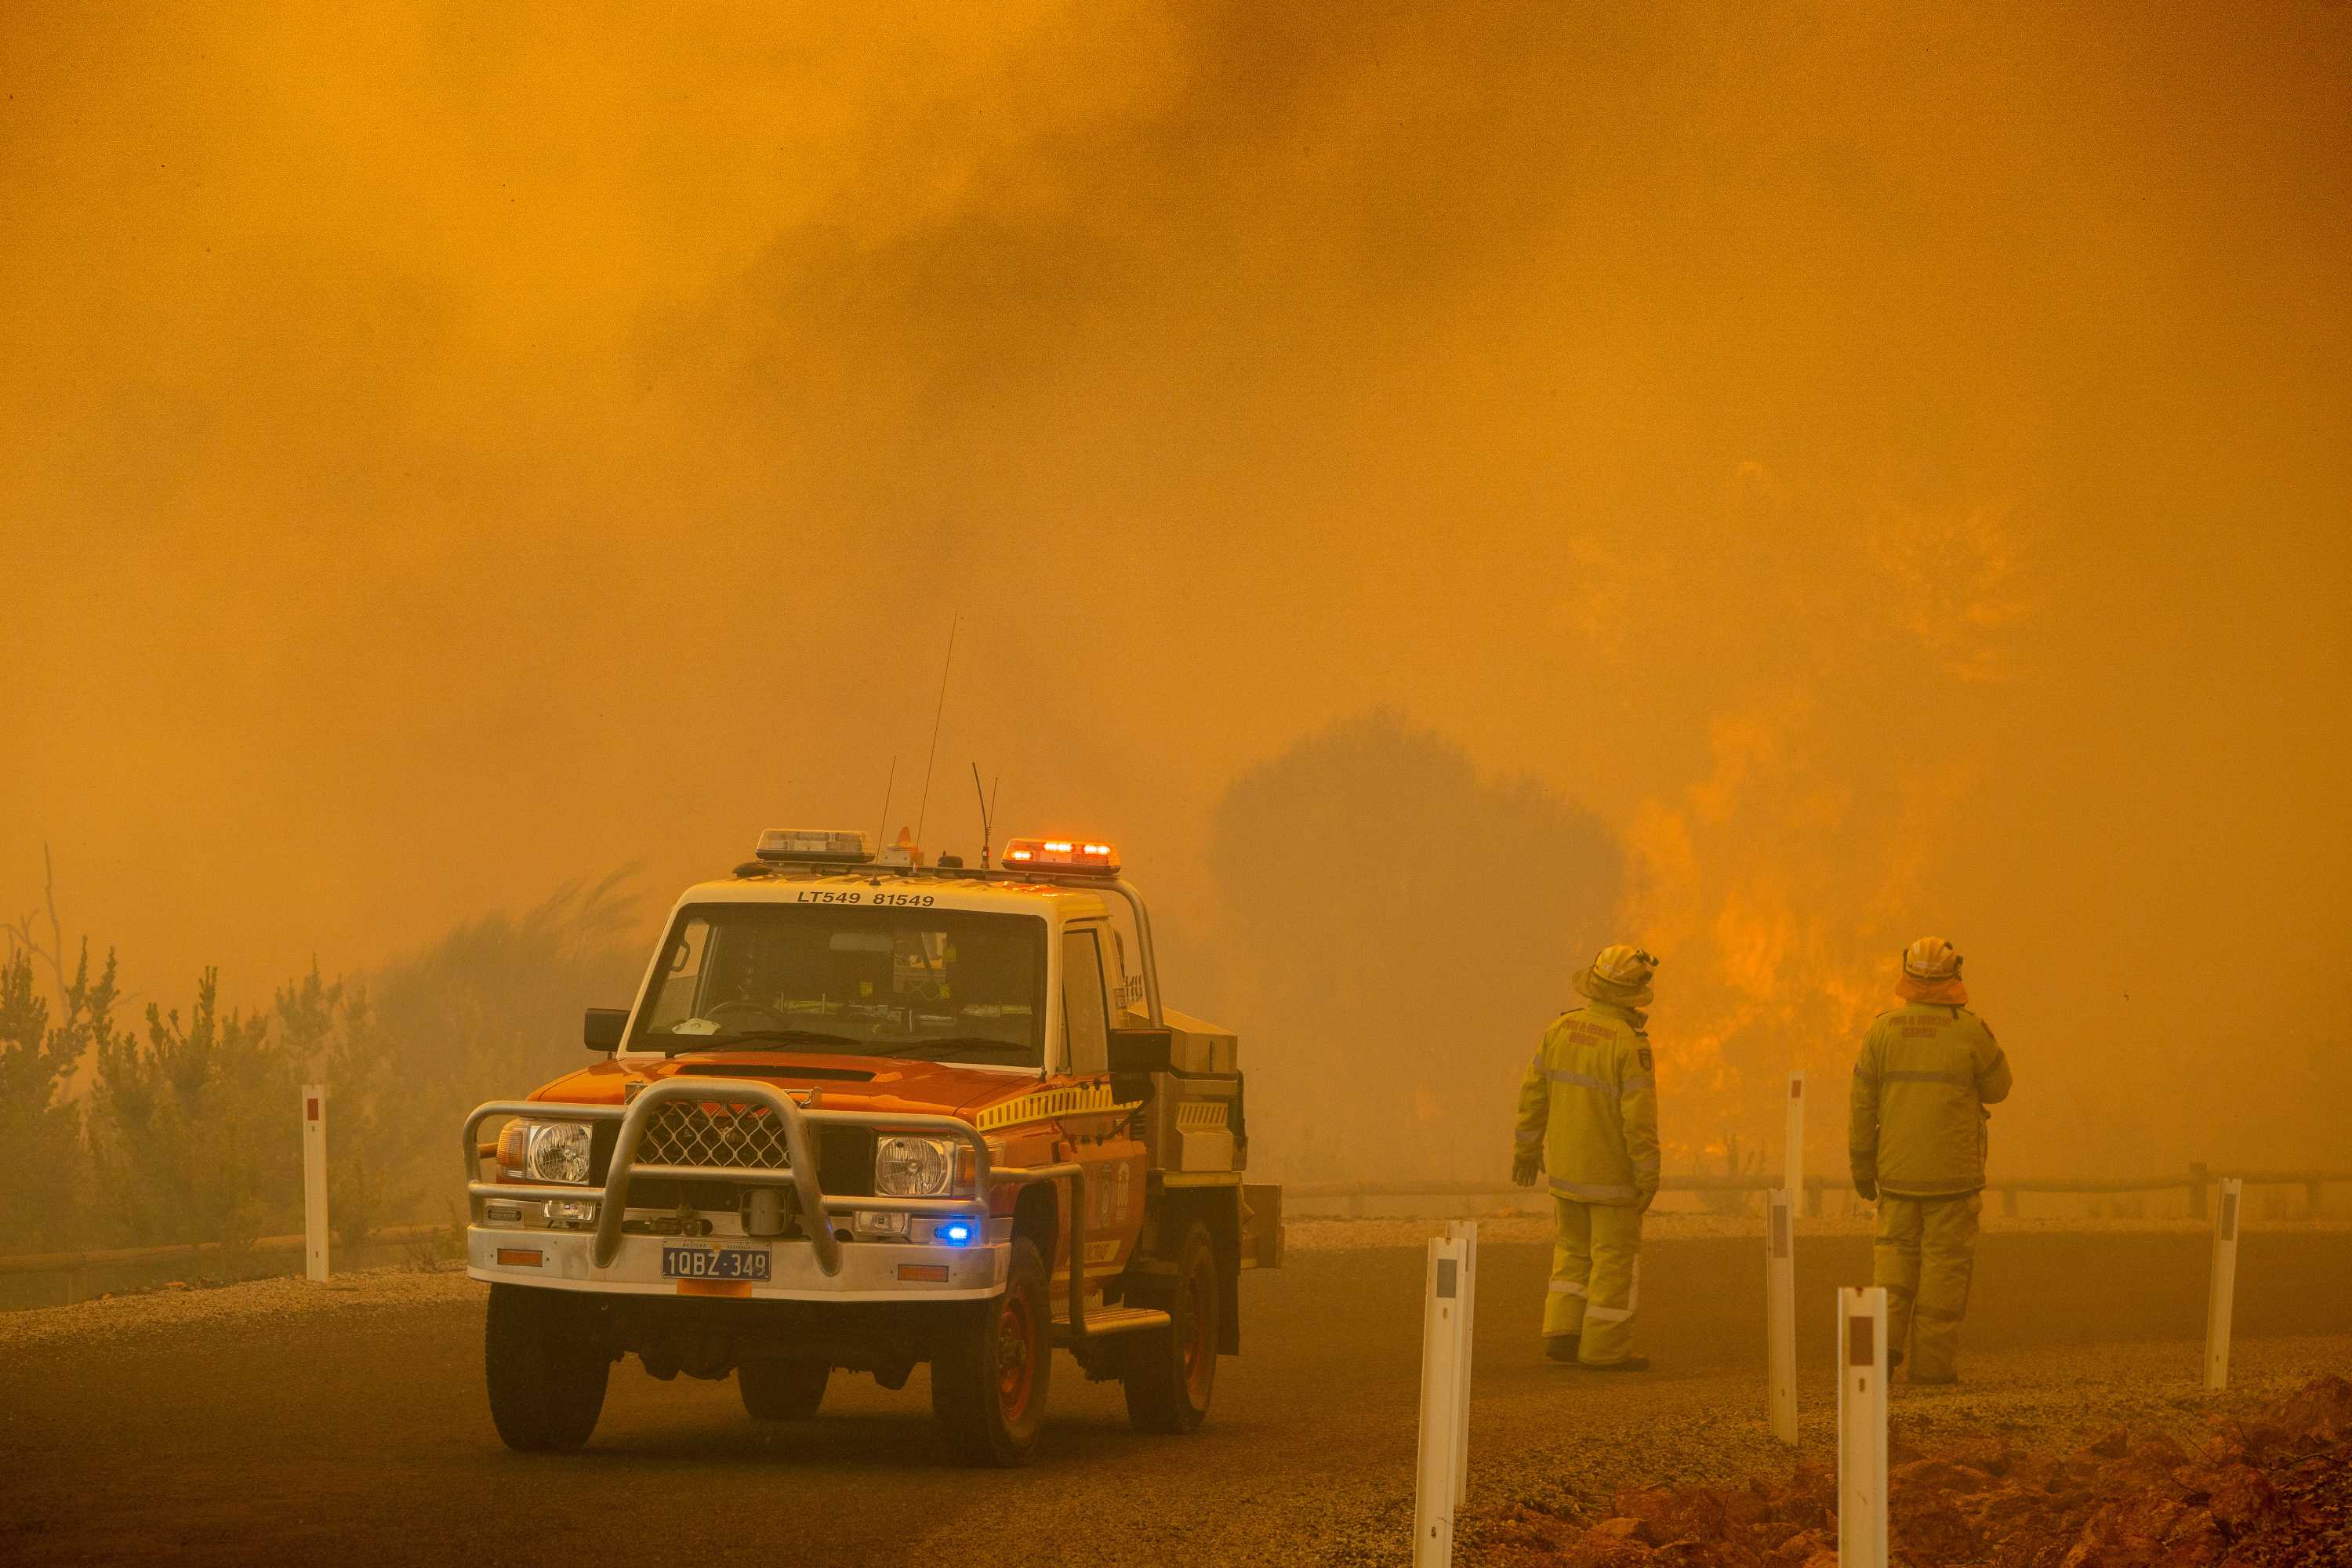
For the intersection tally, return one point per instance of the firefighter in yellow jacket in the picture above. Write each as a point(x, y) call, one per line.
point(1917, 1136)
point(1589, 1114)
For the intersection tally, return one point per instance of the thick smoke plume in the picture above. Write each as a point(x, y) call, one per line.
point(1884, 467)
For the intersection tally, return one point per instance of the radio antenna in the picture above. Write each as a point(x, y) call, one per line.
point(945, 671)
point(886, 788)
point(987, 835)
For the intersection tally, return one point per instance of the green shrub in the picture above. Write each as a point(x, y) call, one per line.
point(192, 1130)
point(190, 1133)
point(42, 1208)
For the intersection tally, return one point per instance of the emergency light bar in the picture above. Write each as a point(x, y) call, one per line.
point(797, 844)
point(1063, 855)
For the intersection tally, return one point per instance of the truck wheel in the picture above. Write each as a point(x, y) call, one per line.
point(545, 1362)
point(1171, 1372)
point(991, 1366)
point(782, 1390)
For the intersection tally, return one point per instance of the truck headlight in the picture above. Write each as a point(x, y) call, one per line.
point(545, 1151)
point(912, 1167)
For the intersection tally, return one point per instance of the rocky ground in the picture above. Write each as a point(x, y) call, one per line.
point(2269, 1489)
point(183, 1305)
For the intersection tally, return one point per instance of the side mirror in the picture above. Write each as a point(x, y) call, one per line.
point(1139, 1050)
point(603, 1028)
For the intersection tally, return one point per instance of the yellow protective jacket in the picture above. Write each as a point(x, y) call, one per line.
point(1590, 1103)
point(1917, 1121)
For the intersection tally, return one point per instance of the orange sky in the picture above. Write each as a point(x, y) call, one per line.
point(1889, 465)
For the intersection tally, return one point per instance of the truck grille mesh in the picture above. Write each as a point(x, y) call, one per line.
point(734, 1137)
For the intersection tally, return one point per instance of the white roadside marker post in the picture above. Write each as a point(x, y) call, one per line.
point(1464, 1231)
point(1441, 1393)
point(314, 1180)
point(1780, 1272)
point(1792, 1163)
point(2220, 1291)
point(1862, 1427)
point(1780, 1313)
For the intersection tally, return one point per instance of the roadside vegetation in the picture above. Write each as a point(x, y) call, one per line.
point(180, 1125)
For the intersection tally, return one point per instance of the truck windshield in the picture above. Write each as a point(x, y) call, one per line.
point(945, 984)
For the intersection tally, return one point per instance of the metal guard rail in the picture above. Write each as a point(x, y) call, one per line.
point(1771, 1182)
point(2197, 1183)
point(793, 1118)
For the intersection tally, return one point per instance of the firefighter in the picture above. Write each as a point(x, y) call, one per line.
point(1917, 1135)
point(1588, 1113)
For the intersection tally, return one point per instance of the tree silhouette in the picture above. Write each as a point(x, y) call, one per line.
point(1395, 932)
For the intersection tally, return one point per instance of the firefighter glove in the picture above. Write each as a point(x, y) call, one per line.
point(1523, 1171)
point(1867, 1191)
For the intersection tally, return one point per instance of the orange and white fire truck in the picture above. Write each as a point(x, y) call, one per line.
point(866, 1113)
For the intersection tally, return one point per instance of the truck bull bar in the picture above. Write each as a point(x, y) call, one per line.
point(799, 1174)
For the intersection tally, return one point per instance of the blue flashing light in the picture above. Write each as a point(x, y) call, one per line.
point(955, 1233)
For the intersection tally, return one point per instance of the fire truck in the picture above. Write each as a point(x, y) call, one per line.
point(868, 1113)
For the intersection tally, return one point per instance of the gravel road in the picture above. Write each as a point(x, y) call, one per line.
point(286, 1421)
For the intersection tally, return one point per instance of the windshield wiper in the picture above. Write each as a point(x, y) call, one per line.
point(760, 1036)
point(950, 1044)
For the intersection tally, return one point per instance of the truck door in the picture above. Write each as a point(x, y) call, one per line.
point(1113, 1161)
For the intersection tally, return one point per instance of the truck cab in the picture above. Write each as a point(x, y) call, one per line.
point(866, 1113)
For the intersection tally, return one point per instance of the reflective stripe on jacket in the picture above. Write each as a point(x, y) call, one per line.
point(1916, 1127)
point(1590, 1103)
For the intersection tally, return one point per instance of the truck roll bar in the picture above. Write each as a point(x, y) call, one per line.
point(1150, 958)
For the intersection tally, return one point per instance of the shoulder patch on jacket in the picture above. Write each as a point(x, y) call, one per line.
point(1644, 1055)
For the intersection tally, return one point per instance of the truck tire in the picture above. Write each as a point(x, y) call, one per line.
point(782, 1390)
point(991, 1366)
point(1171, 1372)
point(544, 1361)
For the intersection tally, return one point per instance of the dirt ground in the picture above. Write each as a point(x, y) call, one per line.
point(277, 1420)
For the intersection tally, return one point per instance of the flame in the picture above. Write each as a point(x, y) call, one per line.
point(1775, 887)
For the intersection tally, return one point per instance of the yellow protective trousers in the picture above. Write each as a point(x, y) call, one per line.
point(1926, 1251)
point(1596, 1279)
